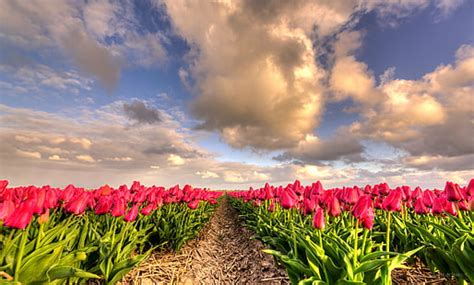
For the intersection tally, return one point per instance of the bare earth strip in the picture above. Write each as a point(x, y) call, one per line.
point(224, 253)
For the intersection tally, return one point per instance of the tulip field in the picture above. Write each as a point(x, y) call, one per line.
point(349, 235)
point(67, 236)
point(355, 235)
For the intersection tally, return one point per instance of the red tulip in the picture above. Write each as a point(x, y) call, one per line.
point(428, 198)
point(288, 199)
point(78, 204)
point(470, 204)
point(132, 214)
point(360, 208)
point(51, 200)
point(351, 196)
point(368, 219)
point(453, 192)
point(417, 193)
point(148, 209)
point(309, 205)
point(3, 184)
point(21, 216)
point(193, 204)
point(450, 208)
point(420, 207)
point(469, 188)
point(393, 202)
point(6, 208)
point(334, 207)
point(105, 190)
point(104, 205)
point(439, 205)
point(318, 219)
point(119, 207)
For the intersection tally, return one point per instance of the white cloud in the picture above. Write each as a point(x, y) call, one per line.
point(28, 154)
point(85, 158)
point(116, 158)
point(207, 174)
point(57, 158)
point(176, 160)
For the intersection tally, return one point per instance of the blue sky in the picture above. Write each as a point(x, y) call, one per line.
point(220, 95)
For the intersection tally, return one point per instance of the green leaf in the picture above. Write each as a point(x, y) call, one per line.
point(64, 271)
point(370, 266)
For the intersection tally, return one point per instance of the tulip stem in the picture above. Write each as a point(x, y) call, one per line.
point(459, 212)
point(40, 235)
point(356, 237)
point(19, 253)
point(293, 233)
point(389, 219)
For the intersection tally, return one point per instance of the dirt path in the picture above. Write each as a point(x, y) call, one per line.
point(224, 253)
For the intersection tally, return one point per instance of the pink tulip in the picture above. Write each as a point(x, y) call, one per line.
point(193, 204)
point(21, 216)
point(318, 219)
point(6, 208)
point(453, 192)
point(393, 202)
point(78, 204)
point(288, 199)
point(360, 208)
point(119, 207)
point(132, 214)
point(420, 207)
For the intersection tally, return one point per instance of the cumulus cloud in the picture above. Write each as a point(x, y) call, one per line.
point(81, 31)
point(431, 117)
point(139, 112)
point(264, 92)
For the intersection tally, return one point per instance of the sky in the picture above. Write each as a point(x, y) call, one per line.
point(232, 94)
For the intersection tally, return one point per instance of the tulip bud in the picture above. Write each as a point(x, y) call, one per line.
point(132, 214)
point(318, 219)
point(193, 204)
point(393, 202)
point(334, 207)
point(360, 208)
point(368, 219)
point(453, 192)
point(420, 207)
point(21, 216)
point(43, 218)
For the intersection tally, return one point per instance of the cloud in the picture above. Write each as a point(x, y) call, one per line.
point(176, 160)
point(34, 78)
point(431, 117)
point(57, 158)
point(265, 91)
point(91, 57)
point(139, 112)
point(207, 174)
point(85, 158)
point(28, 154)
point(100, 37)
point(343, 145)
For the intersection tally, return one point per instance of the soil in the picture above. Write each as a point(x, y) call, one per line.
point(225, 252)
